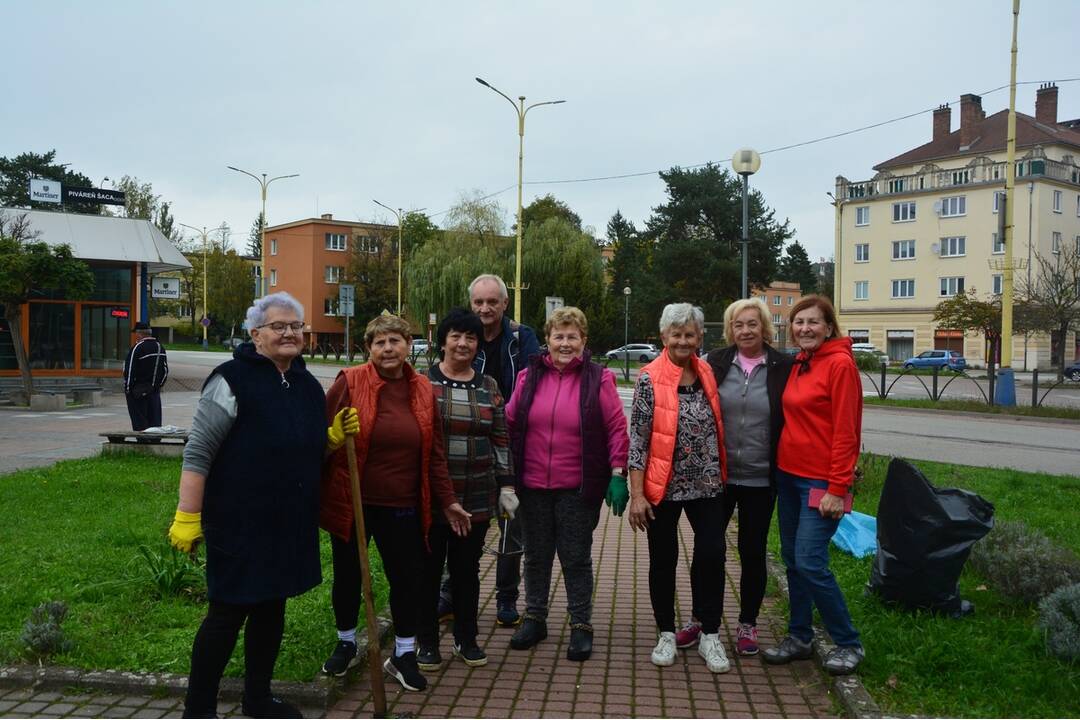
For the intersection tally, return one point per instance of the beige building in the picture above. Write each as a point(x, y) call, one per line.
point(925, 227)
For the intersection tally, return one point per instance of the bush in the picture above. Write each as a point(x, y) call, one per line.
point(870, 362)
point(1059, 619)
point(42, 633)
point(1023, 563)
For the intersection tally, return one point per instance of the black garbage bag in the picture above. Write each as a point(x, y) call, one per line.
point(924, 537)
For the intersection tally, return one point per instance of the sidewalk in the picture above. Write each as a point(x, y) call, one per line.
point(619, 680)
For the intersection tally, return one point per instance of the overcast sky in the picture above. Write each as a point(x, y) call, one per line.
point(377, 100)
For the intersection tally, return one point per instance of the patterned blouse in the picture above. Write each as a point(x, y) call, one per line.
point(697, 456)
point(477, 441)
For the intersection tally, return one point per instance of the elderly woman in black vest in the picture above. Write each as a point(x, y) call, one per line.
point(250, 484)
point(569, 441)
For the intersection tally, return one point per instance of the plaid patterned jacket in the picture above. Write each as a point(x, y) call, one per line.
point(477, 441)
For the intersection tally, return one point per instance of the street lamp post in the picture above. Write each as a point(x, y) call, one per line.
point(626, 335)
point(745, 162)
point(204, 233)
point(263, 184)
point(521, 110)
point(400, 246)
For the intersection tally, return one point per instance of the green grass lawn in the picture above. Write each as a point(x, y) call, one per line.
point(72, 532)
point(990, 664)
point(978, 406)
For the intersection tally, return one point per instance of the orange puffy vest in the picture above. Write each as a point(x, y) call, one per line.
point(665, 375)
point(364, 383)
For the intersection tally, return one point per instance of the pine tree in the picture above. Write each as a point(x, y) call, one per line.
point(254, 246)
point(795, 267)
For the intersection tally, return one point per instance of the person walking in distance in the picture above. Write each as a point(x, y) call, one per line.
point(145, 370)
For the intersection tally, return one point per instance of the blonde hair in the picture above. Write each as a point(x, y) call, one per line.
point(735, 309)
point(386, 324)
point(564, 316)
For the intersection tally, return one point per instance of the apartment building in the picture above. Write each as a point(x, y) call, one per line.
point(308, 259)
point(925, 227)
point(780, 297)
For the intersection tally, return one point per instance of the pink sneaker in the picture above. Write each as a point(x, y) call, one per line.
point(746, 640)
point(688, 636)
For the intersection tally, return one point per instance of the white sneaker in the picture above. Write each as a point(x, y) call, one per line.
point(712, 650)
point(664, 652)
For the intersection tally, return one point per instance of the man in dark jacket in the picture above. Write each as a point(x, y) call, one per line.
point(145, 371)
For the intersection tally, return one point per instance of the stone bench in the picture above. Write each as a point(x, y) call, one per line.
point(164, 444)
point(92, 396)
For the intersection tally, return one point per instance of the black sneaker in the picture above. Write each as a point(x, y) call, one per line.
point(343, 658)
point(269, 707)
point(530, 633)
point(428, 656)
point(404, 669)
point(471, 653)
point(507, 614)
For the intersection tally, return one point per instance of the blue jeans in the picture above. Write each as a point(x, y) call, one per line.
point(804, 546)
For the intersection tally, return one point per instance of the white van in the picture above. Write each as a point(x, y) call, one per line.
point(868, 348)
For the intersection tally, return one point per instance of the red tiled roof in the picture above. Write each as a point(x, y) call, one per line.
point(990, 137)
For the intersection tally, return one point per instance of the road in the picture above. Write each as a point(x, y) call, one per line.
point(35, 439)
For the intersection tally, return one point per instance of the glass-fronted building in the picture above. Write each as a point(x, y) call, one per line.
point(90, 336)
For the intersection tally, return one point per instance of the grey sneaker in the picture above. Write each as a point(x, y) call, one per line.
point(789, 649)
point(843, 660)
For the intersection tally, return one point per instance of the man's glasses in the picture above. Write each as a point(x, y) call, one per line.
point(281, 327)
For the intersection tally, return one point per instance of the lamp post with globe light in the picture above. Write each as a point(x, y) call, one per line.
point(626, 335)
point(745, 162)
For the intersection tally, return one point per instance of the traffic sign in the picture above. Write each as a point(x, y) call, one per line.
point(205, 322)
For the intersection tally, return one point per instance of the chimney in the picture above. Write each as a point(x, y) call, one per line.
point(942, 122)
point(971, 114)
point(1046, 104)
point(327, 216)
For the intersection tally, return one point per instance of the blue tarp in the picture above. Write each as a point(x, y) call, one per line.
point(857, 534)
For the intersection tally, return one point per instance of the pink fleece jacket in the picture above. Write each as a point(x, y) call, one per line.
point(553, 444)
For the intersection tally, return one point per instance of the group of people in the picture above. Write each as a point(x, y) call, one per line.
point(537, 440)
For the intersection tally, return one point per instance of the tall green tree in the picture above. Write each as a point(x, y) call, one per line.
point(28, 267)
point(697, 232)
point(795, 267)
point(476, 215)
point(16, 172)
point(140, 201)
point(1051, 300)
point(544, 208)
point(374, 273)
point(416, 230)
point(230, 290)
point(631, 266)
point(254, 245)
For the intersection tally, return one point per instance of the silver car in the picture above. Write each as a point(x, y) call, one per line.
point(641, 352)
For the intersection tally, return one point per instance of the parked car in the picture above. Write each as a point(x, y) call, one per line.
point(948, 359)
point(420, 346)
point(233, 342)
point(642, 352)
point(1073, 371)
point(868, 348)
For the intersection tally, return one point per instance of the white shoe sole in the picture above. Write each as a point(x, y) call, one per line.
point(393, 672)
point(470, 663)
point(352, 663)
point(662, 662)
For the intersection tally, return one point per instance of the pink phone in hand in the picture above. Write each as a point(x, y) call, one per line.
point(817, 493)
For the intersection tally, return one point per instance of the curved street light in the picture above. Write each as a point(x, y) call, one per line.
point(263, 184)
point(521, 109)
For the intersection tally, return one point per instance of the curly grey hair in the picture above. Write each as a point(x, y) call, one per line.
point(256, 314)
point(680, 314)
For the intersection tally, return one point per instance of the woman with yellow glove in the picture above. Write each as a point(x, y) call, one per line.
point(250, 483)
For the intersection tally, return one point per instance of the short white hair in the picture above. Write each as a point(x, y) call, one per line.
point(503, 294)
point(681, 314)
point(256, 314)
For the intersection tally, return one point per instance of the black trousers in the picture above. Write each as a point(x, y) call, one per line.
point(214, 645)
point(462, 558)
point(398, 538)
point(706, 517)
point(755, 505)
point(507, 567)
point(145, 411)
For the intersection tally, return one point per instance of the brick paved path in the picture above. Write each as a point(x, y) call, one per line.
point(619, 680)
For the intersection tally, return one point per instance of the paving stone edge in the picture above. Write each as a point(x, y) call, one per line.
point(848, 688)
point(321, 692)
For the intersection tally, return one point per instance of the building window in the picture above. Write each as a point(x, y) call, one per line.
point(954, 206)
point(903, 288)
point(997, 200)
point(273, 246)
point(791, 298)
point(273, 278)
point(859, 336)
point(898, 185)
point(1077, 246)
point(903, 250)
point(862, 215)
point(862, 252)
point(953, 247)
point(776, 300)
point(996, 281)
point(776, 319)
point(997, 244)
point(329, 306)
point(335, 241)
point(334, 273)
point(1055, 243)
point(862, 289)
point(1057, 201)
point(961, 177)
point(1078, 205)
point(951, 286)
point(367, 243)
point(903, 211)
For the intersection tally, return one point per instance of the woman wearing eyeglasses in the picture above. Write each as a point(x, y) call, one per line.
point(250, 485)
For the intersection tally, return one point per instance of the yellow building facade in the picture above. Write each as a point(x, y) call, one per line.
point(925, 227)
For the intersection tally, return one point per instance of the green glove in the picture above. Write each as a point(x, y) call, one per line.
point(618, 494)
point(186, 531)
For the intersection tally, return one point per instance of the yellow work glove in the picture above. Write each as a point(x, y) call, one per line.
point(346, 424)
point(186, 531)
